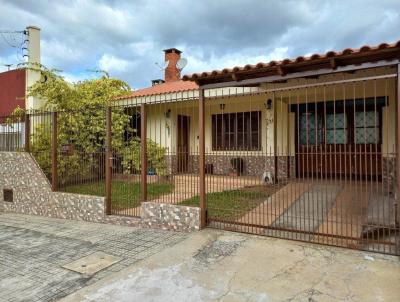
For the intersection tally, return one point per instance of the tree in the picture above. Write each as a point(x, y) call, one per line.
point(81, 126)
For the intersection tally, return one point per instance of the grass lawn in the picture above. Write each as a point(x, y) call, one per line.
point(233, 204)
point(124, 194)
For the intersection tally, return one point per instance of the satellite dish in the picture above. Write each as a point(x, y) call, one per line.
point(163, 66)
point(181, 63)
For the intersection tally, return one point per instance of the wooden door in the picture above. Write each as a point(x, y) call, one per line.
point(183, 143)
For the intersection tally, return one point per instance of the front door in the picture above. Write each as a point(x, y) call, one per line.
point(183, 143)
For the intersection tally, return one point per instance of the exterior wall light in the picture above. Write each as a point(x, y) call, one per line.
point(268, 104)
point(168, 113)
point(222, 106)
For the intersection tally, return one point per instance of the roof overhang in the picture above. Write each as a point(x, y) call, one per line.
point(346, 60)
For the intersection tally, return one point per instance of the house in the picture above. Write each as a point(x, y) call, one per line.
point(320, 130)
point(172, 119)
point(239, 120)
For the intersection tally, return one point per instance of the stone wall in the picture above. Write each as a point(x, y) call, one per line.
point(32, 195)
point(170, 217)
point(32, 192)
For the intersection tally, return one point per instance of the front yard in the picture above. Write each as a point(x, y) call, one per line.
point(232, 204)
point(124, 194)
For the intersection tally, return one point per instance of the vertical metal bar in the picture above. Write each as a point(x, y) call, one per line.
point(275, 138)
point(108, 160)
point(202, 184)
point(27, 132)
point(54, 175)
point(397, 212)
point(143, 152)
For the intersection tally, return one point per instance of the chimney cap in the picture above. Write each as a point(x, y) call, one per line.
point(157, 82)
point(33, 27)
point(171, 50)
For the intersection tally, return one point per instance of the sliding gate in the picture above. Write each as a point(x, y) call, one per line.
point(311, 162)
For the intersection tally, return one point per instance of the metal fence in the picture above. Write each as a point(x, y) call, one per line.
point(308, 159)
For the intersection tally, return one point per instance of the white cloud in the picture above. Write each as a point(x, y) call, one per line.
point(111, 63)
point(126, 38)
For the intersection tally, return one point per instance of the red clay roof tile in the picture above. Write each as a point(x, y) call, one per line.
point(176, 86)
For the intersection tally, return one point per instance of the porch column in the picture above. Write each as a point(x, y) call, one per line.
point(143, 153)
point(397, 205)
point(202, 161)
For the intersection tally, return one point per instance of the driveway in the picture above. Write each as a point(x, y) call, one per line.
point(220, 266)
point(44, 259)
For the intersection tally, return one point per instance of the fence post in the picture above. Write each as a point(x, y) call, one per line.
point(202, 161)
point(108, 159)
point(397, 201)
point(143, 153)
point(27, 132)
point(54, 147)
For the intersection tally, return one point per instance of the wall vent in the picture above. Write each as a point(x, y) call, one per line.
point(8, 195)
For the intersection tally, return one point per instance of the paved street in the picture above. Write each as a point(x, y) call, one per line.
point(230, 267)
point(40, 259)
point(33, 251)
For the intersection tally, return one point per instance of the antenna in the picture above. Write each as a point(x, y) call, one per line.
point(163, 66)
point(182, 62)
point(8, 66)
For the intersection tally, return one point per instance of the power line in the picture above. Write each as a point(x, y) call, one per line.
point(15, 39)
point(12, 31)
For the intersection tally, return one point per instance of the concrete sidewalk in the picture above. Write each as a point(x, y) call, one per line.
point(45, 259)
point(221, 266)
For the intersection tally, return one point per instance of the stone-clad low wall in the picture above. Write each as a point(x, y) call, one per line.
point(32, 195)
point(170, 217)
point(32, 192)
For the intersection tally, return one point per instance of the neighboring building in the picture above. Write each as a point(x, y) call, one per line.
point(14, 84)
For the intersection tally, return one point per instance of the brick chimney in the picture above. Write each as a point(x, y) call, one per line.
point(172, 73)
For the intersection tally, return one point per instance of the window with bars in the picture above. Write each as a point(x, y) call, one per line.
point(236, 131)
point(336, 128)
point(360, 127)
point(366, 127)
point(310, 128)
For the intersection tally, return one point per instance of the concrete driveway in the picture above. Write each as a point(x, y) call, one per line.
point(221, 266)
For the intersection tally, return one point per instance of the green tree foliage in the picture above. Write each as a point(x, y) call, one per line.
point(81, 127)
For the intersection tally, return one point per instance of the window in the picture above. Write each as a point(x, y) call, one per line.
point(310, 130)
point(336, 128)
point(236, 131)
point(366, 127)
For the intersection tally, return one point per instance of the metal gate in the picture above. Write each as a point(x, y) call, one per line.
point(309, 160)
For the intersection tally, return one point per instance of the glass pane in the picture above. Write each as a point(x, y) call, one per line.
point(366, 119)
point(307, 121)
point(254, 141)
point(335, 121)
point(308, 130)
point(338, 136)
point(367, 135)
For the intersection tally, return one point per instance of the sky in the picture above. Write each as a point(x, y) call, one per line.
point(126, 38)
